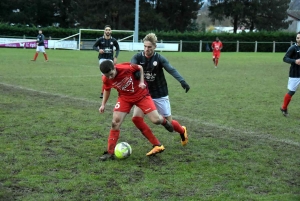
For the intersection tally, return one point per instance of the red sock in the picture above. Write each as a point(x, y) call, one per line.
point(177, 127)
point(146, 131)
point(112, 140)
point(286, 101)
point(217, 61)
point(45, 55)
point(35, 56)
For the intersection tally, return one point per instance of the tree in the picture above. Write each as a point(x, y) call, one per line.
point(260, 14)
point(178, 13)
point(233, 9)
point(271, 15)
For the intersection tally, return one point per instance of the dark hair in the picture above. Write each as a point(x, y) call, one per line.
point(106, 66)
point(107, 26)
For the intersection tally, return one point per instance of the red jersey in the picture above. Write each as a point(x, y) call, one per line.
point(125, 83)
point(217, 46)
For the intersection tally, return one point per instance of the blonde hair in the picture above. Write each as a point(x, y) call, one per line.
point(151, 37)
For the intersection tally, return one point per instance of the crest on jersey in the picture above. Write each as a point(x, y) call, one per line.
point(154, 63)
point(111, 43)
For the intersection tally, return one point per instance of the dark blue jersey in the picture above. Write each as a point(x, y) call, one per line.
point(292, 54)
point(154, 73)
point(108, 46)
point(40, 39)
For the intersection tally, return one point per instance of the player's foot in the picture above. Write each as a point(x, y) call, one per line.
point(168, 126)
point(156, 150)
point(184, 142)
point(33, 60)
point(107, 156)
point(284, 112)
point(215, 66)
point(101, 95)
point(46, 60)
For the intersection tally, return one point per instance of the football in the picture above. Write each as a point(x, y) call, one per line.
point(123, 150)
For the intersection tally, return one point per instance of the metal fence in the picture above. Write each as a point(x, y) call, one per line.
point(203, 46)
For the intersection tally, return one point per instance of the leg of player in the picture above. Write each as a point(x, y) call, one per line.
point(45, 55)
point(138, 120)
point(286, 101)
point(179, 129)
point(35, 56)
point(216, 62)
point(118, 118)
point(163, 106)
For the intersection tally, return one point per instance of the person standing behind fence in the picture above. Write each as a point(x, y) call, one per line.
point(292, 56)
point(40, 46)
point(216, 46)
point(105, 46)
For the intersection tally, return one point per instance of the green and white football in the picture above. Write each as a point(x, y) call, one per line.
point(123, 150)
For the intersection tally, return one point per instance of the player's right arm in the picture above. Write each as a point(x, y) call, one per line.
point(291, 55)
point(106, 94)
point(96, 45)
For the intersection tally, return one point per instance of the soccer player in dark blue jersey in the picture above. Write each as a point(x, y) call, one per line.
point(40, 46)
point(292, 56)
point(154, 65)
point(105, 46)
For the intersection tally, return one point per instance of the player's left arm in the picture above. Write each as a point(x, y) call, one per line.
point(172, 71)
point(116, 44)
point(42, 38)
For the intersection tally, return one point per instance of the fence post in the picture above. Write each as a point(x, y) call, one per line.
point(180, 48)
point(24, 37)
point(161, 41)
point(200, 48)
point(237, 46)
point(274, 46)
point(291, 43)
point(255, 49)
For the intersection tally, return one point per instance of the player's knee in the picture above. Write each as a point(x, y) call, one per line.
point(115, 124)
point(291, 93)
point(157, 120)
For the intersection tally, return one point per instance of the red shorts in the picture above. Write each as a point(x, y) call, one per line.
point(216, 55)
point(146, 104)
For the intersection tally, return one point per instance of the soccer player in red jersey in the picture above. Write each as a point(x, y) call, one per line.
point(292, 56)
point(130, 92)
point(216, 46)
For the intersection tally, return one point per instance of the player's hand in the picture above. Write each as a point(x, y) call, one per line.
point(185, 86)
point(142, 85)
point(101, 51)
point(101, 109)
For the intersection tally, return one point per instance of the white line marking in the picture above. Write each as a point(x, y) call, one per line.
point(245, 133)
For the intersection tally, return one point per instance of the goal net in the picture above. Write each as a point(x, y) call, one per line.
point(82, 41)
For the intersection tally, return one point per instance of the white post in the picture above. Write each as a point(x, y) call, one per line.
point(200, 48)
point(161, 41)
point(255, 49)
point(79, 44)
point(24, 44)
point(136, 23)
point(274, 43)
point(180, 48)
point(237, 46)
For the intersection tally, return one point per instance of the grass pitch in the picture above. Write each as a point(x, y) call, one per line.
point(240, 145)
